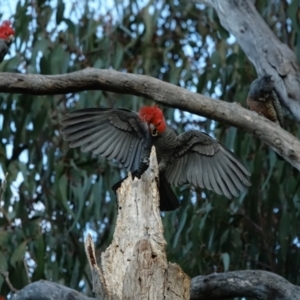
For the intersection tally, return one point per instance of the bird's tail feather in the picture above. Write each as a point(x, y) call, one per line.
point(168, 199)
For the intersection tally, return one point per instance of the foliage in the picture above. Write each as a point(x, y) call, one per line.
point(55, 195)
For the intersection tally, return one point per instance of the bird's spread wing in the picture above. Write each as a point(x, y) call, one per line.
point(203, 162)
point(113, 133)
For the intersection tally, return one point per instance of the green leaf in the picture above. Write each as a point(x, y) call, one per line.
point(3, 261)
point(224, 237)
point(3, 266)
point(284, 232)
point(4, 237)
point(40, 258)
point(60, 11)
point(18, 254)
point(226, 261)
point(63, 197)
point(180, 227)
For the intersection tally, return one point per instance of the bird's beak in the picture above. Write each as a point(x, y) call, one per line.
point(153, 130)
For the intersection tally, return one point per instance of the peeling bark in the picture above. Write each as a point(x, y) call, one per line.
point(135, 265)
point(285, 144)
point(262, 47)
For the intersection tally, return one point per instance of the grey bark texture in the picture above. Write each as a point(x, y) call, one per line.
point(262, 47)
point(261, 285)
point(47, 290)
point(256, 284)
point(135, 265)
point(284, 143)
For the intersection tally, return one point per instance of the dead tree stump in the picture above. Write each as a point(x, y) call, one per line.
point(135, 265)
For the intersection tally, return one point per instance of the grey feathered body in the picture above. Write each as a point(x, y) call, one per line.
point(165, 144)
point(191, 157)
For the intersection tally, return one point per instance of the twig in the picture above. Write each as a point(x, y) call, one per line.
point(6, 277)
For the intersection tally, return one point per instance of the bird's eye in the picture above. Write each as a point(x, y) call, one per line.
point(158, 124)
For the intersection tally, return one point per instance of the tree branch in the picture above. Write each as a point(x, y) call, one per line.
point(47, 290)
point(262, 47)
point(256, 284)
point(162, 92)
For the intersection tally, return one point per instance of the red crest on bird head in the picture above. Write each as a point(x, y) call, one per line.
point(153, 115)
point(6, 30)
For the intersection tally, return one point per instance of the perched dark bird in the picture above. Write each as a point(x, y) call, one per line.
point(263, 99)
point(127, 136)
point(6, 37)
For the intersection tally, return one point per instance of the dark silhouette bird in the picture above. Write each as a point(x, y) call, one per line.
point(6, 37)
point(126, 136)
point(263, 99)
